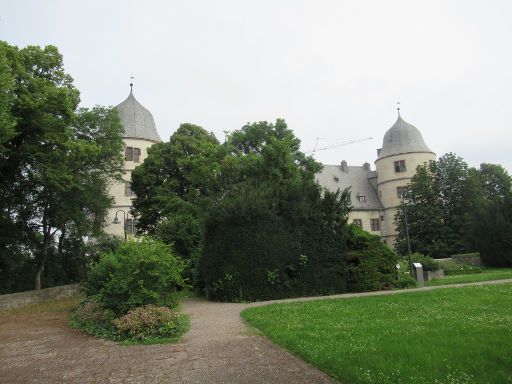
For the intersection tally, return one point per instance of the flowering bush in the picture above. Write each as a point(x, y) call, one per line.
point(150, 321)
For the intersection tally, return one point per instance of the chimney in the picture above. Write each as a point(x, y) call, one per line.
point(366, 166)
point(344, 166)
point(378, 151)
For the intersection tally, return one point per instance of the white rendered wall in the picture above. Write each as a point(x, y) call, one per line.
point(365, 217)
point(388, 180)
point(117, 191)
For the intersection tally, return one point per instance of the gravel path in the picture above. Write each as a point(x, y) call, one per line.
point(219, 348)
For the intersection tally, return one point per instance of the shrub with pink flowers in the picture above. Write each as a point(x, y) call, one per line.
point(150, 322)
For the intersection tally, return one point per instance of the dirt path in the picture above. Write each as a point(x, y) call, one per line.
point(218, 349)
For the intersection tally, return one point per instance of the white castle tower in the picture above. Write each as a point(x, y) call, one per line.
point(139, 134)
point(403, 150)
point(375, 195)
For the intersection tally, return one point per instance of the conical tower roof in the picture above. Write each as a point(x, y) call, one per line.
point(402, 137)
point(137, 121)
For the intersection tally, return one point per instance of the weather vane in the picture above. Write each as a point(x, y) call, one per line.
point(398, 108)
point(131, 82)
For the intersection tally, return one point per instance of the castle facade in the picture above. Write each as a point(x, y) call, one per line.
point(375, 194)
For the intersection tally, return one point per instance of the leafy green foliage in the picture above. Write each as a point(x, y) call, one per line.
point(493, 232)
point(55, 159)
point(371, 263)
point(94, 320)
point(136, 274)
point(274, 233)
point(447, 203)
point(427, 262)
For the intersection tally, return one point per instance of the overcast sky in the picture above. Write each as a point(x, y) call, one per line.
point(333, 69)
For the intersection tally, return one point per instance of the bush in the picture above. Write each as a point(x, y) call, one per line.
point(134, 275)
point(254, 252)
point(427, 262)
point(150, 322)
point(493, 233)
point(371, 263)
point(94, 320)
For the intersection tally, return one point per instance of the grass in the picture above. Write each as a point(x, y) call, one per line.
point(485, 275)
point(458, 335)
point(46, 310)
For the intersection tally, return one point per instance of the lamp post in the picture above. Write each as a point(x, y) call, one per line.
point(116, 221)
point(407, 235)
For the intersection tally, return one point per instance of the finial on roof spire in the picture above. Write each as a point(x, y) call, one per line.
point(131, 83)
point(398, 108)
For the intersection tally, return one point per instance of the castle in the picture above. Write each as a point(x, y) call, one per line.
point(375, 195)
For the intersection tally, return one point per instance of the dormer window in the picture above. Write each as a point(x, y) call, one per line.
point(400, 166)
point(361, 198)
point(336, 179)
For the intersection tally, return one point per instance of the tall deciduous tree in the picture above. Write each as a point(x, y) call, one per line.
point(173, 186)
point(447, 202)
point(57, 160)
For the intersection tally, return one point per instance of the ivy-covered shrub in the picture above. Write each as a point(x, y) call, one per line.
point(150, 322)
point(371, 264)
point(253, 251)
point(137, 273)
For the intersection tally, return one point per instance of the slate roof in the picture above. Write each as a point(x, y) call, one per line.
point(402, 137)
point(359, 178)
point(137, 121)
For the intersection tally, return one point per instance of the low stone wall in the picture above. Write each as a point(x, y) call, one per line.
point(435, 274)
point(468, 258)
point(14, 300)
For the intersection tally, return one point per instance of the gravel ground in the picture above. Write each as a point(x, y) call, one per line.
point(219, 348)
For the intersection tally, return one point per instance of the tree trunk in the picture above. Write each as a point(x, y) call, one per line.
point(38, 278)
point(44, 256)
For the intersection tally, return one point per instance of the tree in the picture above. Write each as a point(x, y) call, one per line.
point(441, 199)
point(492, 232)
point(446, 202)
point(274, 233)
point(173, 187)
point(58, 160)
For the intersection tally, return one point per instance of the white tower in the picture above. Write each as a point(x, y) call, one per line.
point(403, 150)
point(139, 134)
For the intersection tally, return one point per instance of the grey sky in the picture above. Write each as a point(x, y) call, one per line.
point(332, 69)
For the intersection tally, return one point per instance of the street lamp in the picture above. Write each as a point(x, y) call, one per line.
point(116, 221)
point(407, 235)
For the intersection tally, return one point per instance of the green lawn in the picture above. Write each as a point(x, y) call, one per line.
point(458, 335)
point(485, 275)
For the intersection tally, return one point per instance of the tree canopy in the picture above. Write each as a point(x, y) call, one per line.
point(56, 160)
point(447, 202)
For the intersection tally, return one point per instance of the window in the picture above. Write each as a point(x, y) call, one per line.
point(400, 192)
point(382, 218)
point(131, 226)
point(380, 193)
point(128, 188)
point(375, 224)
point(361, 198)
point(400, 166)
point(358, 222)
point(132, 154)
point(336, 178)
